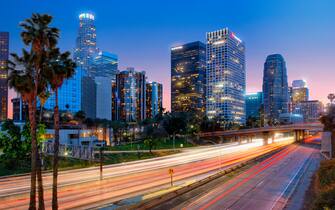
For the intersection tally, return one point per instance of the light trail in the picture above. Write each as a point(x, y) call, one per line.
point(80, 188)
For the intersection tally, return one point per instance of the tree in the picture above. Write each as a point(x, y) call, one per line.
point(175, 123)
point(60, 68)
point(14, 147)
point(328, 120)
point(117, 127)
point(26, 78)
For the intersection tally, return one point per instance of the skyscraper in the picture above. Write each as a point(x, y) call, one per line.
point(300, 91)
point(275, 88)
point(131, 95)
point(104, 64)
point(4, 51)
point(154, 99)
point(310, 110)
point(103, 97)
point(225, 77)
point(86, 45)
point(188, 71)
point(253, 104)
point(69, 94)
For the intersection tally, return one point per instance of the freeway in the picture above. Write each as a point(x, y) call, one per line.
point(267, 185)
point(83, 188)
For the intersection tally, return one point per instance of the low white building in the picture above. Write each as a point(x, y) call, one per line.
point(70, 137)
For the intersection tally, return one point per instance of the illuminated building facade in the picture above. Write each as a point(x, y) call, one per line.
point(154, 99)
point(104, 64)
point(4, 52)
point(253, 104)
point(310, 110)
point(188, 71)
point(131, 93)
point(275, 88)
point(225, 77)
point(300, 91)
point(86, 46)
point(69, 94)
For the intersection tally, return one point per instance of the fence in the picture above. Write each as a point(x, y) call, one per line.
point(79, 152)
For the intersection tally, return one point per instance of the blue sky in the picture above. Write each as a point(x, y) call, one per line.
point(142, 32)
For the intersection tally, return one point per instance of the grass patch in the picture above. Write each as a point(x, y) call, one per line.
point(323, 188)
point(167, 144)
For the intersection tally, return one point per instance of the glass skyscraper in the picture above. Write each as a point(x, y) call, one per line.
point(300, 91)
point(275, 88)
point(104, 64)
point(4, 52)
point(131, 93)
point(188, 71)
point(225, 77)
point(69, 94)
point(154, 99)
point(253, 104)
point(86, 44)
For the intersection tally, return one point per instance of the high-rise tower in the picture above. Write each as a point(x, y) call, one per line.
point(188, 69)
point(225, 77)
point(275, 88)
point(86, 44)
point(4, 43)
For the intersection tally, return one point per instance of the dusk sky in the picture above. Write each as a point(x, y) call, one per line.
point(142, 32)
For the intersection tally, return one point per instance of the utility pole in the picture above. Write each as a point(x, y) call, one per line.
point(101, 161)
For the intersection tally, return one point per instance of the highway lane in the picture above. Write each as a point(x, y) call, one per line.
point(82, 188)
point(267, 185)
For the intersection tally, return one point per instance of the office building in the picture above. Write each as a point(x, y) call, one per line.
point(131, 95)
point(154, 99)
point(253, 104)
point(104, 64)
point(310, 110)
point(225, 77)
point(88, 96)
point(103, 97)
point(69, 94)
point(20, 109)
point(188, 71)
point(86, 46)
point(4, 52)
point(275, 88)
point(300, 91)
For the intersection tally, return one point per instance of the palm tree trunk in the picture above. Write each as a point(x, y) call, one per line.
point(56, 151)
point(333, 142)
point(40, 182)
point(32, 119)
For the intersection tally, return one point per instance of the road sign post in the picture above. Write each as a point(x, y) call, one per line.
point(171, 175)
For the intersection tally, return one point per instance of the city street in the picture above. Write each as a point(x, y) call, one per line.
point(83, 188)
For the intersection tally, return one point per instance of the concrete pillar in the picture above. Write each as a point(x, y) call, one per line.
point(266, 138)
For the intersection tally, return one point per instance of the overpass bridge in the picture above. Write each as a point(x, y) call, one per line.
point(299, 131)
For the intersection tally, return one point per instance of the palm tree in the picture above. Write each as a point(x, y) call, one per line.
point(59, 69)
point(40, 37)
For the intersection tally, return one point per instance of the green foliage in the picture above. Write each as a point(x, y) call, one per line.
point(15, 148)
point(324, 197)
point(328, 119)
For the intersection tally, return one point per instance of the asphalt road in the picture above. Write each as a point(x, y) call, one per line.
point(83, 188)
point(267, 185)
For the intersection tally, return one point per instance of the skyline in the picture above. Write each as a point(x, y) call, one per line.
point(157, 31)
